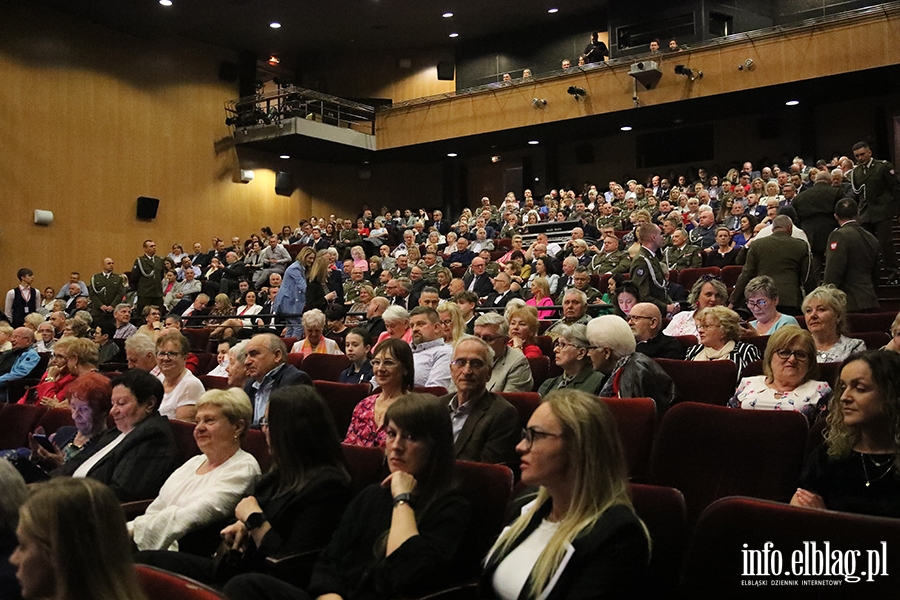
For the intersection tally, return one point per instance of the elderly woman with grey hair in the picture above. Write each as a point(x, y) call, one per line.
point(315, 342)
point(720, 333)
point(573, 356)
point(237, 372)
point(396, 320)
point(825, 311)
point(762, 300)
point(629, 374)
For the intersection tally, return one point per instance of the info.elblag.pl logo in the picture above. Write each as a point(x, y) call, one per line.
point(815, 564)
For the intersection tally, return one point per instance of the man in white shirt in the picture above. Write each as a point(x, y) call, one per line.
point(22, 300)
point(431, 355)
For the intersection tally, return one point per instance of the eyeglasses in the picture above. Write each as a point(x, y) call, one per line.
point(168, 354)
point(489, 338)
point(387, 364)
point(800, 355)
point(473, 363)
point(638, 317)
point(529, 434)
point(705, 326)
point(446, 321)
point(757, 303)
point(60, 356)
point(562, 345)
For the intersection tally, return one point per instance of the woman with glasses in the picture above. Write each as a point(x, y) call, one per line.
point(394, 370)
point(453, 327)
point(182, 388)
point(719, 333)
point(572, 350)
point(762, 300)
point(791, 377)
point(580, 537)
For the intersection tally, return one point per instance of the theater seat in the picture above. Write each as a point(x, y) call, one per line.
point(729, 528)
point(55, 418)
point(159, 584)
point(636, 422)
point(433, 390)
point(540, 370)
point(688, 277)
point(712, 382)
point(663, 511)
point(366, 465)
point(198, 337)
point(873, 339)
point(213, 383)
point(295, 359)
point(709, 452)
point(16, 422)
point(525, 402)
point(325, 367)
point(185, 443)
point(342, 398)
point(488, 489)
point(255, 443)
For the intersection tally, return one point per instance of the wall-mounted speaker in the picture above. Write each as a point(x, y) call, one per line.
point(446, 70)
point(43, 217)
point(147, 207)
point(284, 183)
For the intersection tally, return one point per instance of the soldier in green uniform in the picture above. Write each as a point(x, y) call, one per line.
point(353, 285)
point(146, 277)
point(646, 271)
point(681, 255)
point(877, 190)
point(105, 290)
point(607, 218)
point(610, 259)
point(402, 268)
point(430, 267)
point(851, 260)
point(582, 279)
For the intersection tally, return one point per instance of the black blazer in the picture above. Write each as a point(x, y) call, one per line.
point(609, 561)
point(138, 466)
point(491, 431)
point(492, 297)
point(288, 375)
point(483, 286)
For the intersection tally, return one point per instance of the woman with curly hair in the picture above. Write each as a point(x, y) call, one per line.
point(857, 469)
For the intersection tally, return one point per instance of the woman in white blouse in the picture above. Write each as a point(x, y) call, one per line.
point(207, 487)
point(580, 536)
point(705, 292)
point(182, 389)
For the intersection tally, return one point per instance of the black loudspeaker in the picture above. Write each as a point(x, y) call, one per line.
point(147, 207)
point(284, 183)
point(445, 70)
point(584, 154)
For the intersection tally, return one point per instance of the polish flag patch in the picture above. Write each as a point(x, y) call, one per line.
point(834, 245)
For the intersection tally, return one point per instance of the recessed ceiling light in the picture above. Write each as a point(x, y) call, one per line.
point(451, 154)
point(285, 156)
point(625, 127)
point(453, 35)
point(533, 143)
point(553, 11)
point(792, 103)
point(166, 2)
point(275, 25)
point(447, 15)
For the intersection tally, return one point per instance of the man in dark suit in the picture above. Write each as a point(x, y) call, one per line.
point(815, 216)
point(877, 192)
point(233, 273)
point(851, 261)
point(478, 281)
point(501, 294)
point(438, 224)
point(783, 258)
point(199, 258)
point(485, 426)
point(374, 323)
point(645, 321)
point(146, 277)
point(268, 370)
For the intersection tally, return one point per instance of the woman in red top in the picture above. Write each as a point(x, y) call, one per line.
point(523, 326)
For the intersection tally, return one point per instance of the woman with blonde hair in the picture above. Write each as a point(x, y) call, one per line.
point(453, 327)
point(540, 296)
point(222, 307)
point(317, 292)
point(59, 520)
point(523, 327)
point(580, 536)
point(825, 313)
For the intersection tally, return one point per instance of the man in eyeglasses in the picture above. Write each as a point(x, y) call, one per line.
point(510, 371)
point(485, 426)
point(646, 322)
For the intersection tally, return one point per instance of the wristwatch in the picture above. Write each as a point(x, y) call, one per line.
point(404, 498)
point(255, 521)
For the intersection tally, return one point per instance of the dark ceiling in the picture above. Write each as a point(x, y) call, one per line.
point(312, 28)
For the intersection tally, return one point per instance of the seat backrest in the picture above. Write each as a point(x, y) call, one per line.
point(718, 556)
point(435, 390)
point(688, 277)
point(213, 383)
point(184, 439)
point(760, 341)
point(366, 465)
point(488, 489)
point(525, 402)
point(325, 367)
point(663, 511)
point(753, 369)
point(873, 339)
point(198, 337)
point(709, 452)
point(540, 370)
point(17, 421)
point(879, 321)
point(55, 418)
point(686, 341)
point(545, 343)
point(730, 275)
point(342, 398)
point(636, 422)
point(206, 362)
point(255, 443)
point(295, 359)
point(159, 584)
point(709, 382)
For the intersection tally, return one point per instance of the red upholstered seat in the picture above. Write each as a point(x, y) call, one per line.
point(55, 418)
point(198, 337)
point(325, 367)
point(873, 339)
point(206, 362)
point(753, 369)
point(295, 359)
point(342, 398)
point(184, 439)
point(663, 511)
point(717, 557)
point(488, 489)
point(433, 390)
point(688, 277)
point(255, 443)
point(16, 422)
point(366, 465)
point(636, 422)
point(213, 383)
point(760, 341)
point(686, 341)
point(730, 275)
point(540, 370)
point(712, 382)
point(159, 584)
point(878, 321)
point(709, 452)
point(525, 403)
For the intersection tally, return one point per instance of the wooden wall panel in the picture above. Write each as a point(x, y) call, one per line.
point(820, 51)
point(90, 120)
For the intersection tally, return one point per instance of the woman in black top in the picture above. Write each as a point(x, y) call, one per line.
point(396, 539)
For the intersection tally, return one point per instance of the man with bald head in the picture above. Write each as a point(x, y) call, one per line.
point(146, 277)
point(645, 321)
point(502, 294)
point(704, 235)
point(105, 291)
point(58, 320)
point(374, 310)
point(478, 281)
point(19, 362)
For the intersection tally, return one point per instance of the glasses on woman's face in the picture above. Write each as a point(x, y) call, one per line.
point(530, 434)
point(562, 345)
point(761, 303)
point(167, 355)
point(786, 353)
point(705, 326)
point(387, 363)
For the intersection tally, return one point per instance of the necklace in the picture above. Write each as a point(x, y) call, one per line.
point(889, 462)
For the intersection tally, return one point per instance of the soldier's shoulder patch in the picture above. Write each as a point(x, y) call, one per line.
point(834, 245)
point(639, 272)
point(892, 171)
